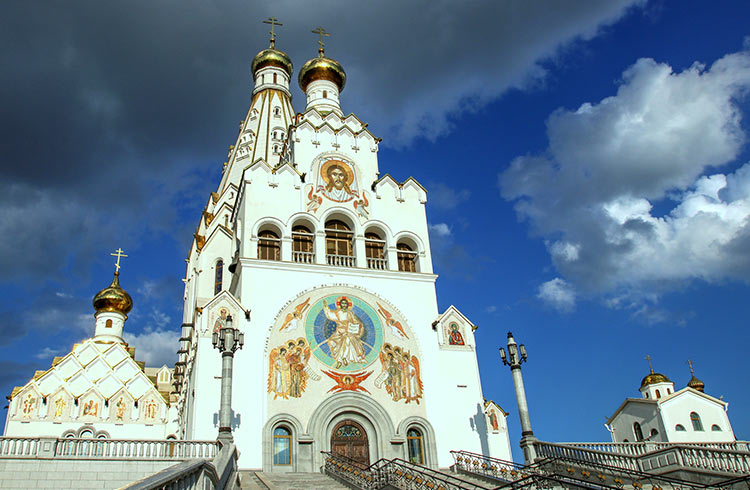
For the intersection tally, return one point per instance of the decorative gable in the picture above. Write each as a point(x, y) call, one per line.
point(454, 330)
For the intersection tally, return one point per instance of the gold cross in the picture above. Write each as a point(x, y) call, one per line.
point(274, 22)
point(119, 255)
point(690, 363)
point(648, 358)
point(321, 32)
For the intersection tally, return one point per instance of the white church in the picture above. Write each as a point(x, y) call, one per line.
point(323, 262)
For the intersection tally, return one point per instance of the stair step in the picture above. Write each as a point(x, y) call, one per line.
point(289, 481)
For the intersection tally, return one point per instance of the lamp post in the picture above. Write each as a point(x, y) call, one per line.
point(514, 358)
point(227, 340)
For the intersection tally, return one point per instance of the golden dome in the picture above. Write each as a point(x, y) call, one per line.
point(113, 298)
point(696, 384)
point(322, 68)
point(653, 378)
point(272, 57)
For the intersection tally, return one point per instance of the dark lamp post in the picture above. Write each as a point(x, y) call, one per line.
point(228, 340)
point(513, 360)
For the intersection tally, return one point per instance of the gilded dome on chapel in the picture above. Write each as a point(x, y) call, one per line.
point(322, 68)
point(272, 57)
point(653, 378)
point(696, 384)
point(113, 298)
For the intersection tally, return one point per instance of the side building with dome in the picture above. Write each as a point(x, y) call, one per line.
point(322, 260)
point(665, 415)
point(98, 390)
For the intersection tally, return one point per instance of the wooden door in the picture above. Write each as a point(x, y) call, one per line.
point(350, 439)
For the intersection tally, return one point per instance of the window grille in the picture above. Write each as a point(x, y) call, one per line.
point(269, 245)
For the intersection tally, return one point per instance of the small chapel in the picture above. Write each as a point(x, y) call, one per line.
point(322, 260)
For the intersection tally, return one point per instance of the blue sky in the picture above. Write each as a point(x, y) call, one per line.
point(585, 163)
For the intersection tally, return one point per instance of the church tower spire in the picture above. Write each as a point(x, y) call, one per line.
point(263, 131)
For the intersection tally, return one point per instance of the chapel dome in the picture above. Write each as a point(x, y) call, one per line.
point(696, 384)
point(322, 68)
point(272, 57)
point(113, 298)
point(653, 378)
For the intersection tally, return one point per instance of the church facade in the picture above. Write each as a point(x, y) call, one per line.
point(323, 262)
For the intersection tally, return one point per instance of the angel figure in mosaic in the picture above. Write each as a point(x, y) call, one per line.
point(299, 354)
point(413, 386)
point(396, 327)
point(294, 319)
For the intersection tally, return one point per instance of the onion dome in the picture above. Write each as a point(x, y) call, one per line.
point(653, 378)
point(696, 384)
point(272, 57)
point(113, 298)
point(322, 68)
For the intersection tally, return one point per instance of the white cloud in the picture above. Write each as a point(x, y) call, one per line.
point(48, 353)
point(155, 347)
point(440, 229)
point(559, 294)
point(441, 196)
point(592, 194)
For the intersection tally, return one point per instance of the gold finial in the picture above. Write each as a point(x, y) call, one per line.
point(274, 22)
point(321, 32)
point(119, 255)
point(648, 358)
point(690, 363)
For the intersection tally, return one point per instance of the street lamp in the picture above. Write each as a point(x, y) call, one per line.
point(516, 356)
point(228, 340)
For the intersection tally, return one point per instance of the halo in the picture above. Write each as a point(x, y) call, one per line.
point(347, 170)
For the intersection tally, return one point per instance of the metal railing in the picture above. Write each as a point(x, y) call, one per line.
point(303, 257)
point(644, 447)
point(393, 472)
point(340, 260)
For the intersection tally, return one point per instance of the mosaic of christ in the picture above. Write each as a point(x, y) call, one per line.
point(336, 181)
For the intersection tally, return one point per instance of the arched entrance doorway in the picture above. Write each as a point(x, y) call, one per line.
point(349, 439)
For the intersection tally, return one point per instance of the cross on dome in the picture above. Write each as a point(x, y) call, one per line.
point(118, 253)
point(321, 32)
point(648, 358)
point(274, 22)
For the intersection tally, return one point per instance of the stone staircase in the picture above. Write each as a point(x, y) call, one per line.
point(288, 481)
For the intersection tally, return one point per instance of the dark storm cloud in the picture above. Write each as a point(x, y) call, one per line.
point(117, 110)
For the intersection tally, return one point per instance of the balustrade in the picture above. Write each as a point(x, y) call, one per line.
point(340, 260)
point(19, 447)
point(303, 257)
point(375, 263)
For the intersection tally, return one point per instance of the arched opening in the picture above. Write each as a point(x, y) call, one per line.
point(715, 428)
point(282, 446)
point(679, 428)
point(658, 394)
point(325, 94)
point(375, 251)
point(339, 243)
point(654, 433)
point(108, 323)
point(696, 420)
point(407, 257)
point(269, 245)
point(349, 439)
point(218, 276)
point(637, 432)
point(303, 245)
point(415, 446)
point(275, 78)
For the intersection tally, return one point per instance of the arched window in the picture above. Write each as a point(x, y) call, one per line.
point(375, 251)
point(407, 258)
point(637, 431)
point(415, 446)
point(668, 391)
point(218, 276)
point(654, 433)
point(303, 242)
point(339, 244)
point(679, 428)
point(269, 245)
point(282, 446)
point(277, 111)
point(715, 428)
point(274, 78)
point(647, 395)
point(108, 323)
point(658, 394)
point(325, 94)
point(696, 420)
